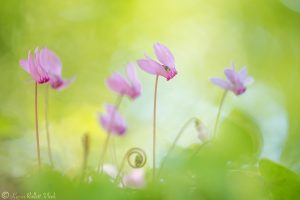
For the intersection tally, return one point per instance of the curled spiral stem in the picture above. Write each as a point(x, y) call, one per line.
point(139, 161)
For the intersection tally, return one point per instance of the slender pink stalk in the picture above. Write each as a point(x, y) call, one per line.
point(86, 149)
point(154, 128)
point(219, 112)
point(37, 125)
point(114, 151)
point(105, 146)
point(47, 125)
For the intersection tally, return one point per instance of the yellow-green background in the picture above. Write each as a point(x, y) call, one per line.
point(94, 38)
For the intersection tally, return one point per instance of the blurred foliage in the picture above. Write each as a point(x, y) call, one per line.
point(96, 37)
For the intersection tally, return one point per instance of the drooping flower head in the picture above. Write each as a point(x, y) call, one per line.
point(166, 65)
point(120, 85)
point(34, 67)
point(112, 121)
point(44, 68)
point(134, 179)
point(237, 81)
point(203, 132)
point(53, 64)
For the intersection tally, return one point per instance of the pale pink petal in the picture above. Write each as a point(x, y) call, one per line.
point(58, 83)
point(249, 80)
point(135, 179)
point(118, 84)
point(37, 64)
point(244, 78)
point(152, 67)
point(113, 122)
point(136, 86)
point(243, 74)
point(231, 75)
point(221, 83)
point(164, 55)
point(32, 68)
point(51, 62)
point(24, 65)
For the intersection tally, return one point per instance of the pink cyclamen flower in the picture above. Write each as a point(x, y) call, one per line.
point(112, 121)
point(52, 63)
point(237, 80)
point(131, 88)
point(135, 179)
point(166, 65)
point(34, 67)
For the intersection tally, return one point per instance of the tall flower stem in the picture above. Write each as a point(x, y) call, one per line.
point(47, 124)
point(106, 142)
point(219, 112)
point(37, 124)
point(181, 131)
point(154, 128)
point(114, 151)
point(215, 127)
point(86, 150)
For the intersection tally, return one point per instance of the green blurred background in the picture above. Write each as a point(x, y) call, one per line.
point(95, 38)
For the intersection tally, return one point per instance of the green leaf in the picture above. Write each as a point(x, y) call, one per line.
point(281, 182)
point(239, 137)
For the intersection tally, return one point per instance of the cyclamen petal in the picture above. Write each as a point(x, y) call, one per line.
point(118, 84)
point(24, 65)
point(164, 55)
point(231, 75)
point(136, 87)
point(58, 83)
point(112, 121)
point(165, 68)
point(152, 67)
point(237, 81)
point(222, 83)
point(131, 88)
point(135, 179)
point(45, 67)
point(37, 72)
point(51, 62)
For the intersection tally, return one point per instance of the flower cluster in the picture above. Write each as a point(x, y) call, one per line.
point(46, 68)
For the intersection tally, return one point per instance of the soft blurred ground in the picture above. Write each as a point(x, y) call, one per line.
point(95, 38)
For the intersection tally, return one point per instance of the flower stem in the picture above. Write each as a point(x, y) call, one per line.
point(105, 146)
point(154, 128)
point(219, 112)
point(187, 123)
point(121, 168)
point(47, 124)
point(215, 127)
point(37, 124)
point(114, 152)
point(86, 150)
